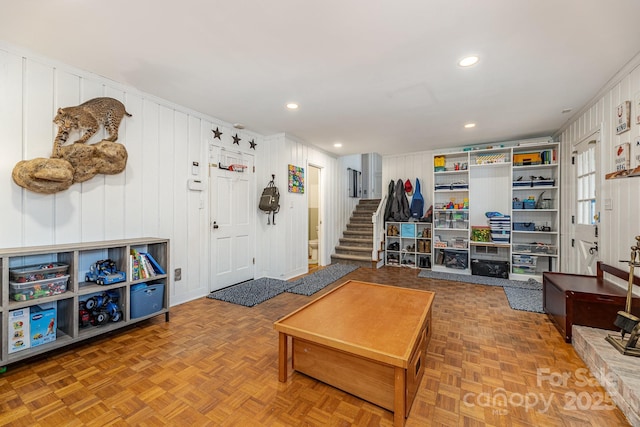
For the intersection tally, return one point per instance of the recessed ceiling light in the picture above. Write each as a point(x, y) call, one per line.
point(470, 125)
point(337, 144)
point(238, 125)
point(292, 106)
point(468, 61)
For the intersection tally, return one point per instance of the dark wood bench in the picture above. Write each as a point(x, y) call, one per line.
point(576, 299)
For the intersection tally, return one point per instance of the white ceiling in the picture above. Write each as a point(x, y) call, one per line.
point(378, 76)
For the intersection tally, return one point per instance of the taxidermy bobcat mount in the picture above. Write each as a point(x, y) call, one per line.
point(88, 116)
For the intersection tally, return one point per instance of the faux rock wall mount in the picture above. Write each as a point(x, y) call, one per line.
point(77, 162)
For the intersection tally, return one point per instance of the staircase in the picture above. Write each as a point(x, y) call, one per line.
point(356, 244)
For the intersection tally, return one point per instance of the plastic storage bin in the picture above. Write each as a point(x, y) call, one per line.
point(490, 268)
point(37, 272)
point(38, 289)
point(524, 226)
point(454, 259)
point(525, 260)
point(147, 299)
point(535, 248)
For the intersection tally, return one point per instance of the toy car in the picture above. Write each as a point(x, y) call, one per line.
point(100, 309)
point(105, 272)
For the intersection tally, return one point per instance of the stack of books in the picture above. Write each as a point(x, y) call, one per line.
point(142, 265)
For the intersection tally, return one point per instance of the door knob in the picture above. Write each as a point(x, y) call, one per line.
point(215, 225)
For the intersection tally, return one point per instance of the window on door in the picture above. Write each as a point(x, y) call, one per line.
point(587, 185)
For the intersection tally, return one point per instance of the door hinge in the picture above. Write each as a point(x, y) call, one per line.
point(573, 160)
point(254, 169)
point(573, 219)
point(254, 261)
point(596, 231)
point(573, 243)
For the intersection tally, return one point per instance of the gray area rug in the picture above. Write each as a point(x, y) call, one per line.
point(523, 296)
point(253, 292)
point(309, 285)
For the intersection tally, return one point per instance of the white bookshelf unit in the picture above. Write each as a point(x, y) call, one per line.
point(62, 295)
point(520, 182)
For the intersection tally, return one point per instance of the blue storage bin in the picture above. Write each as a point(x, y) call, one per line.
point(147, 300)
point(524, 226)
point(407, 230)
point(518, 205)
point(529, 204)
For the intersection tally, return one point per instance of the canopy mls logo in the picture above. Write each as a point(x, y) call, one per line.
point(500, 401)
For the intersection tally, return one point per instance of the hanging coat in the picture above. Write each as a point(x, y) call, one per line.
point(417, 202)
point(400, 209)
point(387, 209)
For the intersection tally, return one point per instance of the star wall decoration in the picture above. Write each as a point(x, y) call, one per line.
point(216, 134)
point(253, 144)
point(236, 139)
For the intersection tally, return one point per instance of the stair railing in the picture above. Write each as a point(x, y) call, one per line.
point(377, 219)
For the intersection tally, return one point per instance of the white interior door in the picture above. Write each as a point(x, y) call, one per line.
point(587, 207)
point(232, 222)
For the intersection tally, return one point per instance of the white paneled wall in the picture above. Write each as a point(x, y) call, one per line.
point(150, 198)
point(410, 166)
point(283, 248)
point(619, 225)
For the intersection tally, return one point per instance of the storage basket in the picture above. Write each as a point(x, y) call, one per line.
point(147, 300)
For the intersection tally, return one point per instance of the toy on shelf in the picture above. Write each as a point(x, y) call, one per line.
point(100, 309)
point(104, 272)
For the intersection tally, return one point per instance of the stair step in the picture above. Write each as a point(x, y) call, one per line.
point(353, 233)
point(354, 250)
point(352, 260)
point(368, 243)
point(360, 227)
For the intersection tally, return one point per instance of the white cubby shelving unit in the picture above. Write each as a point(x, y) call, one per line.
point(521, 182)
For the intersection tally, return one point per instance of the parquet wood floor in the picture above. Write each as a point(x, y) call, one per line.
point(216, 364)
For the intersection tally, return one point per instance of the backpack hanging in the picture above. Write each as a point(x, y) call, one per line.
point(270, 201)
point(417, 202)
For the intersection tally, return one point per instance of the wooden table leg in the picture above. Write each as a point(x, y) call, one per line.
point(282, 357)
point(399, 398)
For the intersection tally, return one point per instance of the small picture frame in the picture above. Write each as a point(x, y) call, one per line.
point(623, 117)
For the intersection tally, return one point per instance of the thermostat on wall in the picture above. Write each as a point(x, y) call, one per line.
point(195, 184)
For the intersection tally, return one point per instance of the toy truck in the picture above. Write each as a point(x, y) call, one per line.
point(105, 272)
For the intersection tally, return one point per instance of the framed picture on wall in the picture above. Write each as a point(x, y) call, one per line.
point(623, 117)
point(621, 157)
point(296, 179)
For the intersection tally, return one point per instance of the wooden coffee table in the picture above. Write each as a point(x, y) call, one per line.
point(367, 339)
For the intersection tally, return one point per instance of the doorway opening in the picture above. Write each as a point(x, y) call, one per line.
point(314, 234)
